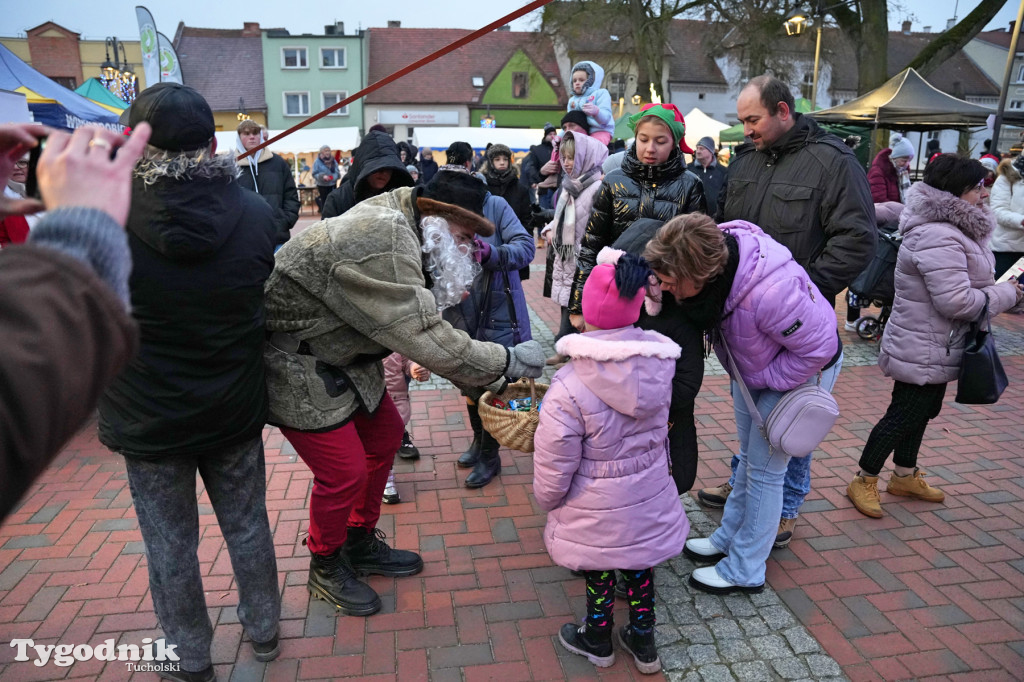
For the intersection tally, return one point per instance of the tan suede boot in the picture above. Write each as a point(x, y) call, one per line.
point(863, 492)
point(914, 486)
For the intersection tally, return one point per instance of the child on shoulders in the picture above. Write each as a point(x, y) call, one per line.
point(587, 95)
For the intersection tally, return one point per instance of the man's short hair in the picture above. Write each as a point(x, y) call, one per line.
point(249, 126)
point(773, 91)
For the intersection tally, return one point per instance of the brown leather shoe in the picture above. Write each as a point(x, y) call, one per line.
point(914, 486)
point(863, 492)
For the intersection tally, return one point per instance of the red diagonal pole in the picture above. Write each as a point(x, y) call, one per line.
point(512, 16)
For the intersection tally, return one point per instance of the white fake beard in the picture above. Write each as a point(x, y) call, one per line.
point(450, 265)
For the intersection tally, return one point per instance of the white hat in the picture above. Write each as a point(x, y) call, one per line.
point(902, 149)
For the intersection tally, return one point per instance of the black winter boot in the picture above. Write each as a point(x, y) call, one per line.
point(470, 456)
point(368, 553)
point(641, 647)
point(594, 645)
point(331, 578)
point(488, 465)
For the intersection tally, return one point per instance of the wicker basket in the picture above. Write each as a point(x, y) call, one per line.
point(511, 428)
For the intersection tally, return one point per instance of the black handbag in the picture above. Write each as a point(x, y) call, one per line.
point(982, 378)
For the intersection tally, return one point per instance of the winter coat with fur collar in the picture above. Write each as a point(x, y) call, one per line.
point(353, 288)
point(601, 458)
point(943, 271)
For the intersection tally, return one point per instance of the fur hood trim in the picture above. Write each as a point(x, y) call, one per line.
point(608, 350)
point(185, 166)
point(926, 204)
point(609, 255)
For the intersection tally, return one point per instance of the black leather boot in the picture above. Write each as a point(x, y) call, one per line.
point(331, 578)
point(470, 456)
point(488, 465)
point(368, 553)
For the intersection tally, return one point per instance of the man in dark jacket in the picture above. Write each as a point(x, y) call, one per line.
point(537, 168)
point(195, 397)
point(804, 187)
point(706, 167)
point(378, 168)
point(427, 165)
point(271, 177)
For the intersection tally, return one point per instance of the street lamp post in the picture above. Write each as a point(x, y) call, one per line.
point(795, 24)
point(118, 71)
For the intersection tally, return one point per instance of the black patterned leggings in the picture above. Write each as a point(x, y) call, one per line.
point(601, 599)
point(901, 430)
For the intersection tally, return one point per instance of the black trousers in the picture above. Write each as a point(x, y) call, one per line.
point(901, 430)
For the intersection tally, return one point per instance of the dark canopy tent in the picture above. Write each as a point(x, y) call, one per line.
point(909, 102)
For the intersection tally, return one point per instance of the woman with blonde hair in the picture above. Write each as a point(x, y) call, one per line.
point(747, 293)
point(1007, 203)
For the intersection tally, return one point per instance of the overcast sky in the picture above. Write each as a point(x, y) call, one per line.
point(117, 17)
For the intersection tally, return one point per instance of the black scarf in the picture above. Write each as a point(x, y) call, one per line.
point(705, 309)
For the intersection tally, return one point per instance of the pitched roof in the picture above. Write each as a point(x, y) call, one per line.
point(1000, 38)
point(223, 65)
point(690, 63)
point(958, 76)
point(449, 80)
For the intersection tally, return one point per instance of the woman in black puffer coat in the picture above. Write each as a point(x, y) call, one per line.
point(652, 184)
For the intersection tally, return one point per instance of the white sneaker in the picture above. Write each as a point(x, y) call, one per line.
point(701, 549)
point(707, 580)
point(390, 491)
point(851, 326)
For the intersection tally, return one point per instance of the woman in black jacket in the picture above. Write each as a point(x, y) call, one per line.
point(652, 183)
point(377, 169)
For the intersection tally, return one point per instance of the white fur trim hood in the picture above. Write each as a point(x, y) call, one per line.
point(610, 350)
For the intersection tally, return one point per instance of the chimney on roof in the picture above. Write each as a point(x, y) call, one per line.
point(926, 29)
point(394, 24)
point(335, 29)
point(506, 27)
point(906, 27)
point(950, 23)
point(1013, 25)
point(250, 28)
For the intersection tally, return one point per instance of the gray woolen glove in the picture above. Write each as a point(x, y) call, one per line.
point(525, 360)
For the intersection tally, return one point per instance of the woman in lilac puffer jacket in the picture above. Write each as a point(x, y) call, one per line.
point(744, 288)
point(944, 277)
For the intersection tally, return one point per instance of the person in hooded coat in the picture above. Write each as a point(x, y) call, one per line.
point(581, 161)
point(378, 168)
point(587, 95)
point(271, 177)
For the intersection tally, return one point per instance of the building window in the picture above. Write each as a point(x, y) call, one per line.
point(67, 81)
point(617, 85)
point(1020, 73)
point(293, 58)
point(933, 135)
point(332, 98)
point(478, 81)
point(807, 86)
point(700, 95)
point(332, 58)
point(296, 103)
point(520, 84)
point(1016, 104)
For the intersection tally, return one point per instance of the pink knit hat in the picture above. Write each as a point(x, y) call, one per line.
point(603, 306)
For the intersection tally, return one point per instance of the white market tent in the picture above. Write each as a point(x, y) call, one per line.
point(305, 140)
point(699, 124)
point(439, 137)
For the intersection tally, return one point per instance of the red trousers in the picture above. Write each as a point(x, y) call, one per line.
point(350, 468)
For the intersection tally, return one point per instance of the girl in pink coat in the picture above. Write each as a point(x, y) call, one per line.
point(601, 462)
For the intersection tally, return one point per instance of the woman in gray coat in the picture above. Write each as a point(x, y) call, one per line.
point(943, 280)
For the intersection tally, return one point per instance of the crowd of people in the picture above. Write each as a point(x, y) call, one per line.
point(204, 319)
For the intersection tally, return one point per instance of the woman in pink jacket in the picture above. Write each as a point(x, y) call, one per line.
point(943, 281)
point(749, 292)
point(601, 462)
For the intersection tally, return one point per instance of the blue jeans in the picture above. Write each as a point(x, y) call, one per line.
point(797, 483)
point(164, 493)
point(750, 520)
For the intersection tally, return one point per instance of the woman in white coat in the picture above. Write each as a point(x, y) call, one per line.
point(1007, 202)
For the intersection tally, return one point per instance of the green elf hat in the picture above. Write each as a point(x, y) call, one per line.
point(670, 115)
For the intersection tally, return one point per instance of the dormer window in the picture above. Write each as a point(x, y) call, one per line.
point(478, 81)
